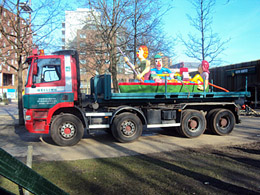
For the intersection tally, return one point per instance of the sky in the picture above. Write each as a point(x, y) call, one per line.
point(237, 20)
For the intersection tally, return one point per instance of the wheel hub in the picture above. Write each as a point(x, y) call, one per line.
point(223, 122)
point(193, 124)
point(128, 128)
point(67, 130)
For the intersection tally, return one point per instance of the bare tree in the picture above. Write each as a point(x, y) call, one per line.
point(128, 24)
point(110, 24)
point(205, 45)
point(20, 35)
point(146, 27)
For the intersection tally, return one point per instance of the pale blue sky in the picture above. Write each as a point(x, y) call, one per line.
point(238, 20)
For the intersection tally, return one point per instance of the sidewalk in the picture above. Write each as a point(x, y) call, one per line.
point(9, 110)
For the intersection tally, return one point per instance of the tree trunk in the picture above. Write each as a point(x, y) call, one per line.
point(114, 65)
point(20, 87)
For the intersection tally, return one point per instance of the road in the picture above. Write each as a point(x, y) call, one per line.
point(15, 140)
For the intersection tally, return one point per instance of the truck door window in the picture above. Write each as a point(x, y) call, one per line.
point(49, 70)
point(29, 63)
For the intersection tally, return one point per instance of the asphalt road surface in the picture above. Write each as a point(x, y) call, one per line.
point(15, 140)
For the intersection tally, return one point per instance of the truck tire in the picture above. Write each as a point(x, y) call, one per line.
point(209, 117)
point(179, 129)
point(66, 130)
point(193, 123)
point(127, 127)
point(222, 122)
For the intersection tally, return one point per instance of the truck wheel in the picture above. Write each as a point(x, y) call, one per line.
point(222, 122)
point(193, 123)
point(209, 117)
point(127, 127)
point(66, 130)
point(179, 129)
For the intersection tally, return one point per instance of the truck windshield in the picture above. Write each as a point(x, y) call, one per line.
point(48, 70)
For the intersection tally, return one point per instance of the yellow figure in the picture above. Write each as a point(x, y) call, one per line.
point(203, 69)
point(144, 65)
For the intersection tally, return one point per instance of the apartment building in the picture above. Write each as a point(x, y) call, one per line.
point(8, 56)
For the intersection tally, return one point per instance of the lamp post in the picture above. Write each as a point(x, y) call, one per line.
point(27, 8)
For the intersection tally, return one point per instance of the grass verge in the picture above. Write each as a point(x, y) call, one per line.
point(229, 170)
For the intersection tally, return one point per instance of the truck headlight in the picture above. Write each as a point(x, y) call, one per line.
point(27, 117)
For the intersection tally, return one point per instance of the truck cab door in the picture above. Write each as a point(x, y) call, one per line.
point(50, 83)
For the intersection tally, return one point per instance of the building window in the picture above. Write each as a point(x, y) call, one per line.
point(7, 79)
point(99, 45)
point(82, 44)
point(82, 35)
point(83, 71)
point(83, 61)
point(98, 37)
point(82, 53)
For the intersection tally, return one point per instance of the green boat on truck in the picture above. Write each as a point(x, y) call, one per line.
point(55, 105)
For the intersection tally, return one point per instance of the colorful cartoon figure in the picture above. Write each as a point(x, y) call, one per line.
point(159, 69)
point(144, 66)
point(203, 76)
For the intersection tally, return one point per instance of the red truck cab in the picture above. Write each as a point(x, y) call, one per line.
point(52, 83)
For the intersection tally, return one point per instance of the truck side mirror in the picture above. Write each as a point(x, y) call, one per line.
point(35, 69)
